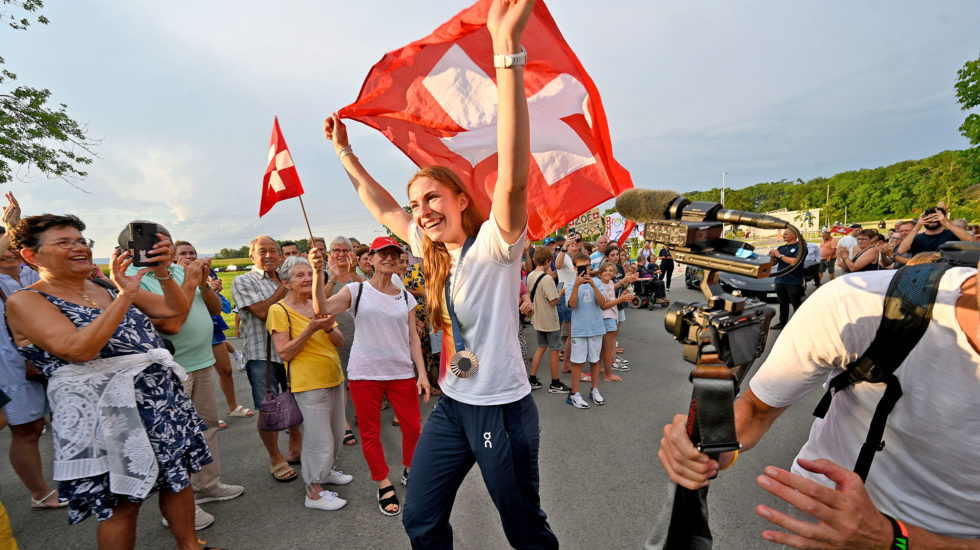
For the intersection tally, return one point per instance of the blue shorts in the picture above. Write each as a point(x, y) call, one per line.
point(255, 369)
point(612, 325)
point(564, 312)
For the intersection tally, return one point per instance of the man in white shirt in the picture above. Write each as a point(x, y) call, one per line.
point(922, 477)
point(849, 241)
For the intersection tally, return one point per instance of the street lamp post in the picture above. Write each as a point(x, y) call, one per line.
point(723, 174)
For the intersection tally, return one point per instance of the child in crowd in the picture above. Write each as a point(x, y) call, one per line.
point(545, 296)
point(610, 318)
point(585, 300)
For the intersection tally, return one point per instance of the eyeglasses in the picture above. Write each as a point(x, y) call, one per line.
point(70, 243)
point(384, 253)
point(340, 251)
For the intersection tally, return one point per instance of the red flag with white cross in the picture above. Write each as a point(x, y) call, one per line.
point(436, 100)
point(281, 181)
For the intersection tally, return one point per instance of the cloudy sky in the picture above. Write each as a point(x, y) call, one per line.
point(182, 95)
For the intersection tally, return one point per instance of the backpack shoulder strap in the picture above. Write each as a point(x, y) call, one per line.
point(534, 287)
point(906, 316)
point(357, 302)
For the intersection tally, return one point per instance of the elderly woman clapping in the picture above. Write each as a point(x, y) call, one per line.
point(308, 344)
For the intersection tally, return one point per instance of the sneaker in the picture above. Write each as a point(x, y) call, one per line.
point(218, 492)
point(240, 359)
point(596, 397)
point(202, 519)
point(575, 400)
point(586, 378)
point(535, 383)
point(328, 501)
point(336, 477)
point(558, 387)
point(620, 365)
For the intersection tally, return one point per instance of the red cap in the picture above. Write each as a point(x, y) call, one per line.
point(384, 242)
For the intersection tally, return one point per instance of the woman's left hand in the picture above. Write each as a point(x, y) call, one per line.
point(163, 254)
point(423, 387)
point(506, 21)
point(526, 307)
point(128, 285)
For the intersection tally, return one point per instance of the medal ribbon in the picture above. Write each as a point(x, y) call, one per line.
point(457, 334)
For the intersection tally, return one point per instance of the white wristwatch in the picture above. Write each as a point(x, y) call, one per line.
point(509, 61)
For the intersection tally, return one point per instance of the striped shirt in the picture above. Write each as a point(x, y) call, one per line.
point(247, 289)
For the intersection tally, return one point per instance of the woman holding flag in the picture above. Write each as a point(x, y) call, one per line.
point(472, 269)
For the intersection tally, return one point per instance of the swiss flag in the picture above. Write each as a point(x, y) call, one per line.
point(281, 181)
point(436, 100)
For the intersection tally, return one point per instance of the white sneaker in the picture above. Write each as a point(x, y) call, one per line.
point(240, 358)
point(202, 519)
point(328, 501)
point(336, 477)
point(217, 493)
point(597, 397)
point(575, 400)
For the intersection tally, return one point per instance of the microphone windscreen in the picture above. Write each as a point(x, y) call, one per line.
point(644, 205)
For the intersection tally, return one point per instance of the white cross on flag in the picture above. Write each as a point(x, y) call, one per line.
point(436, 100)
point(281, 181)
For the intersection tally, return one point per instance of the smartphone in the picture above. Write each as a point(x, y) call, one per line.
point(142, 237)
point(581, 270)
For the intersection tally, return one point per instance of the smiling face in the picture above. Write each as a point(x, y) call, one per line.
point(265, 254)
point(437, 209)
point(364, 263)
point(300, 279)
point(385, 261)
point(290, 250)
point(607, 274)
point(185, 251)
point(50, 255)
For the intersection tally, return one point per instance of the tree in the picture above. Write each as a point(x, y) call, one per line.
point(33, 133)
point(968, 94)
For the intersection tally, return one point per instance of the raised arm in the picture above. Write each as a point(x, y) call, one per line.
point(506, 21)
point(377, 199)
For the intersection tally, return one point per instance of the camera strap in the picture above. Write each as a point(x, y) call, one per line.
point(711, 418)
point(906, 316)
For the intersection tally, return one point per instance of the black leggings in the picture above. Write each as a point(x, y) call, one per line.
point(666, 270)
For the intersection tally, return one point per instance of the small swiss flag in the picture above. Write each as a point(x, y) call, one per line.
point(281, 181)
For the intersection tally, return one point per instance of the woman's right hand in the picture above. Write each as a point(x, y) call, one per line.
point(316, 260)
point(506, 21)
point(336, 132)
point(128, 285)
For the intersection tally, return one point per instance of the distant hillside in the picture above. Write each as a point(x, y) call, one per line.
point(900, 190)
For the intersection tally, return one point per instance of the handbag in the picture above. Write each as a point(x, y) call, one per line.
point(278, 411)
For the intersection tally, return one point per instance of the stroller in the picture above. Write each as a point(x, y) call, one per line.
point(649, 293)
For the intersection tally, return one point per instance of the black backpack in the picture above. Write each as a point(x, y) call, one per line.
point(908, 312)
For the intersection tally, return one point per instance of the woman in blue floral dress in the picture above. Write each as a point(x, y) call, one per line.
point(123, 426)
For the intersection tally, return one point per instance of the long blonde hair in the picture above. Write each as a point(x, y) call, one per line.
point(435, 257)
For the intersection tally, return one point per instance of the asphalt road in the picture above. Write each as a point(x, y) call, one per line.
point(601, 482)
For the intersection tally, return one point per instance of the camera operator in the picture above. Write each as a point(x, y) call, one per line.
point(938, 230)
point(925, 477)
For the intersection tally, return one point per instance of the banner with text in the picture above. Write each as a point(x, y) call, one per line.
point(615, 224)
point(589, 223)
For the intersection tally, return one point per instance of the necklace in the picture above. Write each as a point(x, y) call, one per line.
point(75, 292)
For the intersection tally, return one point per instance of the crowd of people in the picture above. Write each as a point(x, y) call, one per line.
point(129, 364)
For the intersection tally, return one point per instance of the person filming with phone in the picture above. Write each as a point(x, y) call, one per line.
point(938, 230)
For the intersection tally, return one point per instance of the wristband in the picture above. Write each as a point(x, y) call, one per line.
point(730, 463)
point(900, 533)
point(344, 152)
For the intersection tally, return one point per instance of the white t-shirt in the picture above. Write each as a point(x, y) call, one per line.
point(381, 348)
point(849, 242)
point(566, 273)
point(928, 471)
point(486, 299)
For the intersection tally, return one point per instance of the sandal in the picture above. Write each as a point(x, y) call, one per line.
point(404, 479)
point(222, 424)
point(620, 350)
point(384, 502)
point(204, 545)
point(283, 472)
point(241, 412)
point(39, 503)
point(395, 422)
point(349, 439)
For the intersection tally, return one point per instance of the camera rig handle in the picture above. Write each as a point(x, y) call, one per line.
point(711, 417)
